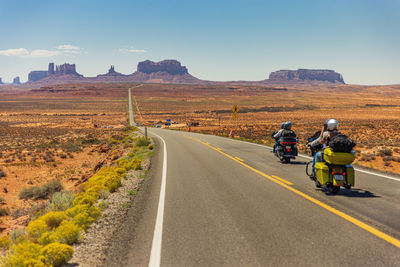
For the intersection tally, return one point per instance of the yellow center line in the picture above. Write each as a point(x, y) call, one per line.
point(345, 216)
point(239, 159)
point(283, 180)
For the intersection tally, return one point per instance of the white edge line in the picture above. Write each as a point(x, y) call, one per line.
point(308, 157)
point(155, 255)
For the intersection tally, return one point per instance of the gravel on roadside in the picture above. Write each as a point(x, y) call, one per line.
point(91, 251)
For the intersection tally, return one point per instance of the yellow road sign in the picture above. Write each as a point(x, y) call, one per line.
point(235, 109)
point(235, 115)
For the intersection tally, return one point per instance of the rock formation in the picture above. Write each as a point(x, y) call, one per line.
point(65, 69)
point(172, 67)
point(16, 80)
point(306, 75)
point(36, 75)
point(166, 71)
point(50, 69)
point(111, 72)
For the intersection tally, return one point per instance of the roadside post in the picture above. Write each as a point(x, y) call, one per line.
point(235, 111)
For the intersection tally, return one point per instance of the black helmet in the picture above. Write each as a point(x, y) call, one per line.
point(288, 125)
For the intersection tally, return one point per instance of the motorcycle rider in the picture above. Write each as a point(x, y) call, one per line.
point(284, 131)
point(329, 130)
point(279, 133)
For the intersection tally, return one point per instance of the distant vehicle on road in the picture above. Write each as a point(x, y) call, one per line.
point(158, 125)
point(192, 124)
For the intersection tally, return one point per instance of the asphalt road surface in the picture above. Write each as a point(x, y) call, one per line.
point(220, 208)
point(213, 201)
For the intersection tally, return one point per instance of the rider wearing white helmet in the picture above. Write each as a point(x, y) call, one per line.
point(330, 130)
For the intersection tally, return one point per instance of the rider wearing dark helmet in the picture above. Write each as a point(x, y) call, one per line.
point(286, 129)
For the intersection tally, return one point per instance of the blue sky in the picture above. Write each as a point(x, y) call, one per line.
point(216, 40)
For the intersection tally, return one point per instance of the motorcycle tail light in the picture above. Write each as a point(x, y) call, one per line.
point(333, 173)
point(344, 173)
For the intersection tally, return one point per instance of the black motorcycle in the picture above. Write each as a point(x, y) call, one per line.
point(286, 149)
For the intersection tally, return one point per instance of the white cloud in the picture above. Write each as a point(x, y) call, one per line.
point(131, 49)
point(18, 52)
point(68, 47)
point(43, 53)
point(23, 52)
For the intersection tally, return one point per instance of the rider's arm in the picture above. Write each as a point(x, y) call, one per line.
point(278, 134)
point(316, 142)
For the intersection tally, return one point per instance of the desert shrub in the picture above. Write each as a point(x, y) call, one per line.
point(51, 187)
point(2, 201)
point(384, 151)
point(396, 149)
point(67, 233)
point(387, 163)
point(90, 140)
point(54, 218)
point(57, 254)
point(86, 198)
point(5, 242)
point(30, 192)
point(61, 201)
point(41, 192)
point(367, 157)
point(151, 147)
point(16, 234)
point(2, 173)
point(142, 141)
point(36, 229)
point(25, 253)
point(4, 211)
point(83, 215)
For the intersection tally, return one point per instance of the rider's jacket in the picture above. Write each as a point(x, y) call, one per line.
point(326, 136)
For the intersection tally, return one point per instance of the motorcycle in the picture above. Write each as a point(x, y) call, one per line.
point(286, 149)
point(333, 172)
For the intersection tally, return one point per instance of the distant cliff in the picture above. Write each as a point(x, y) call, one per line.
point(172, 67)
point(37, 75)
point(306, 75)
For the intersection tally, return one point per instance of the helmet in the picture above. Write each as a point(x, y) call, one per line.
point(332, 124)
point(283, 125)
point(288, 125)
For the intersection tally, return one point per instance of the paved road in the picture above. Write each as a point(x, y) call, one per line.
point(233, 203)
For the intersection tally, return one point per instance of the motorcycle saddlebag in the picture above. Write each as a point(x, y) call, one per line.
point(322, 172)
point(324, 176)
point(338, 158)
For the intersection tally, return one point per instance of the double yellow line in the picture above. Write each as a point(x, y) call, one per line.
point(286, 184)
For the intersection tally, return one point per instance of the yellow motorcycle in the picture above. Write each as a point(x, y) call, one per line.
point(334, 171)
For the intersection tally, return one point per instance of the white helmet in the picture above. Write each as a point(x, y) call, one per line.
point(332, 124)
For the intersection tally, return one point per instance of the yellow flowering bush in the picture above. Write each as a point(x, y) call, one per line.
point(67, 233)
point(28, 253)
point(36, 228)
point(57, 254)
point(47, 238)
point(25, 253)
point(53, 218)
